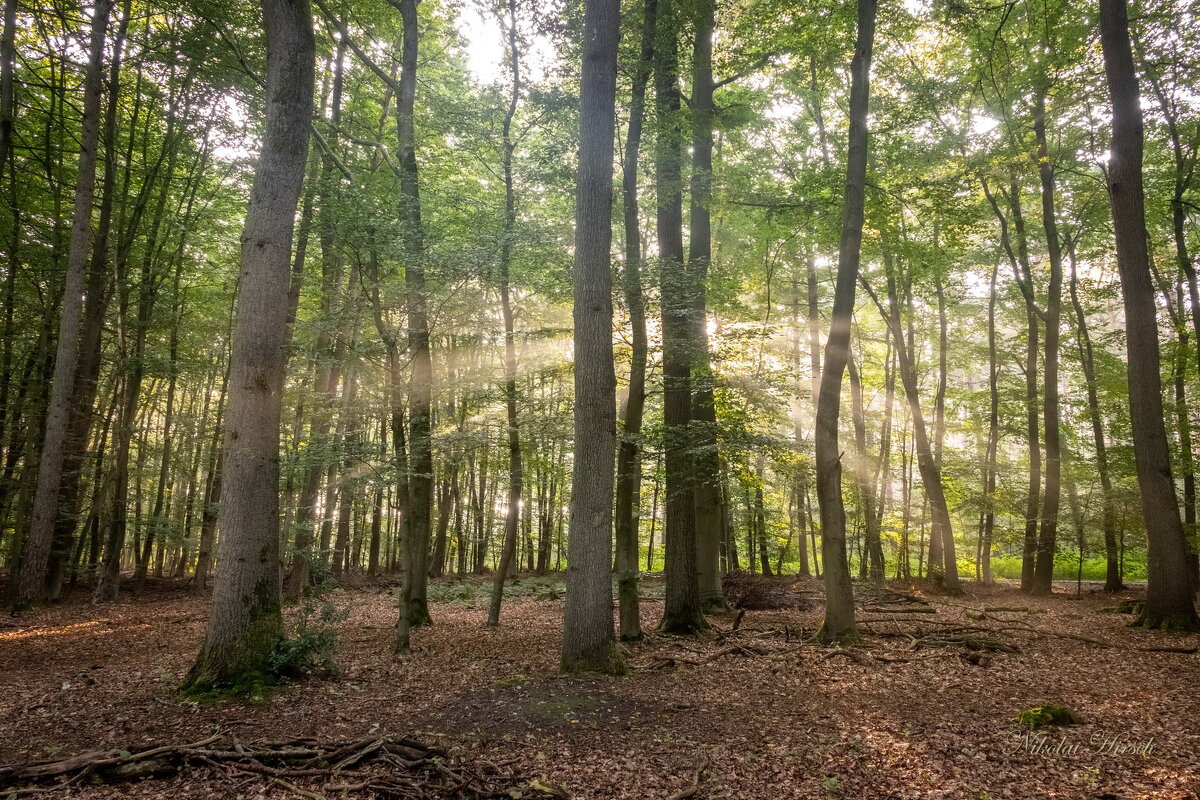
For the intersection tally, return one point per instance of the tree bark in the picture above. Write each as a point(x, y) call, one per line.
point(1043, 576)
point(945, 570)
point(245, 623)
point(629, 453)
point(873, 551)
point(839, 625)
point(325, 379)
point(589, 644)
point(414, 608)
point(1168, 588)
point(993, 440)
point(707, 488)
point(34, 562)
point(516, 473)
point(682, 612)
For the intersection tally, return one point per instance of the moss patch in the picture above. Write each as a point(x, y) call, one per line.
point(1047, 715)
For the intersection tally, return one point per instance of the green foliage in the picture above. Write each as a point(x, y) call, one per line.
point(1066, 568)
point(1046, 715)
point(306, 650)
point(474, 595)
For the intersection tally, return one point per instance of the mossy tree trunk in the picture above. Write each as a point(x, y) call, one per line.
point(245, 623)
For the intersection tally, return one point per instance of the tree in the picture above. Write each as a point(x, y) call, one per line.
point(1168, 586)
point(629, 472)
point(516, 475)
point(839, 597)
point(682, 612)
point(31, 578)
point(245, 624)
point(588, 643)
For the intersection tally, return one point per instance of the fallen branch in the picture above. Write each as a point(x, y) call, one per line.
point(691, 790)
point(410, 768)
point(917, 610)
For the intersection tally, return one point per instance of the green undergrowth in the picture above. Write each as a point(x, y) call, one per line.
point(306, 650)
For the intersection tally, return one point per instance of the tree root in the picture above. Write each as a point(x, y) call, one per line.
point(410, 768)
point(691, 790)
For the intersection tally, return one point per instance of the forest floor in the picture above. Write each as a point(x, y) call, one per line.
point(760, 712)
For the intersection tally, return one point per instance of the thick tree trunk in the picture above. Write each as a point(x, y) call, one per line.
point(1168, 591)
point(414, 608)
point(707, 488)
point(588, 641)
point(246, 624)
point(839, 597)
point(682, 612)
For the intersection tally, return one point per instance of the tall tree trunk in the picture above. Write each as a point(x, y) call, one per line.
point(133, 370)
point(211, 502)
point(588, 642)
point(245, 623)
point(95, 304)
point(32, 567)
point(158, 521)
point(760, 517)
point(1113, 579)
point(414, 608)
point(944, 571)
point(936, 556)
point(993, 440)
point(873, 555)
point(1043, 577)
point(798, 427)
point(629, 453)
point(1019, 261)
point(377, 511)
point(346, 488)
point(682, 612)
point(516, 474)
point(1168, 589)
point(839, 598)
point(325, 380)
point(707, 488)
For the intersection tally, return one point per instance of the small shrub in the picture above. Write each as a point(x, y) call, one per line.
point(313, 641)
point(1046, 715)
point(449, 592)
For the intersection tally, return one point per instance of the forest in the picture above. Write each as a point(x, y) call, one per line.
point(599, 399)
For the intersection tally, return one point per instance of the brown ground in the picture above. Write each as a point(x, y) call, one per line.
point(780, 720)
